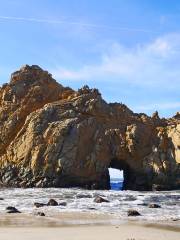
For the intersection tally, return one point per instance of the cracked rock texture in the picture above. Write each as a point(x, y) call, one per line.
point(53, 136)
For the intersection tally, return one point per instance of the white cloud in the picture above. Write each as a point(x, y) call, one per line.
point(160, 46)
point(155, 63)
point(115, 173)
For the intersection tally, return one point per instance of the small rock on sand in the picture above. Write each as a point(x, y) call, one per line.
point(133, 213)
point(52, 202)
point(10, 209)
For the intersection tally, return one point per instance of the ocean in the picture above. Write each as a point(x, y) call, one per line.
point(79, 200)
point(116, 184)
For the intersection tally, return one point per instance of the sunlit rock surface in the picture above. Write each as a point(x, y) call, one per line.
point(52, 136)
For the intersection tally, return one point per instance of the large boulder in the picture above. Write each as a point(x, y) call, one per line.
point(52, 136)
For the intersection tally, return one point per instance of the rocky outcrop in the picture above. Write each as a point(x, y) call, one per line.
point(52, 136)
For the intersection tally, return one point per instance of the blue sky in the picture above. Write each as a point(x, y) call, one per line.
point(129, 49)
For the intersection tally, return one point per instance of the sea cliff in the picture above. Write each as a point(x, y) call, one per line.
point(53, 136)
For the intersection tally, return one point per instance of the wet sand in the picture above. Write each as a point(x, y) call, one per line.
point(74, 226)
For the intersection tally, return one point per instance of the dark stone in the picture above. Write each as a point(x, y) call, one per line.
point(12, 210)
point(41, 214)
point(63, 204)
point(38, 205)
point(100, 200)
point(52, 202)
point(153, 205)
point(133, 213)
point(1, 199)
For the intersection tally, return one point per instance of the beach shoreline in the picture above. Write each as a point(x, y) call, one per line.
point(72, 219)
point(78, 216)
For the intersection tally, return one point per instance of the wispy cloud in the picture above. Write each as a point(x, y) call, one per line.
point(158, 106)
point(81, 24)
point(155, 63)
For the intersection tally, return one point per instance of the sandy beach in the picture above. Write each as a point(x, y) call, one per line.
point(123, 232)
point(69, 226)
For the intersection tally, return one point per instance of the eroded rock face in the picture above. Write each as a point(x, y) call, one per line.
point(51, 136)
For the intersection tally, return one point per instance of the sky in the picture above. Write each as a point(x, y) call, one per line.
point(115, 173)
point(128, 49)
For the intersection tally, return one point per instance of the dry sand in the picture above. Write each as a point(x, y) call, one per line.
point(121, 232)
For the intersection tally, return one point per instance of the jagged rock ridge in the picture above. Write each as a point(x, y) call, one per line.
point(52, 136)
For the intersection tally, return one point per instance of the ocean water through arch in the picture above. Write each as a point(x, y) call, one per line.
point(116, 179)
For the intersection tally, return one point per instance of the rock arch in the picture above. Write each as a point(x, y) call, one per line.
point(134, 179)
point(51, 136)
